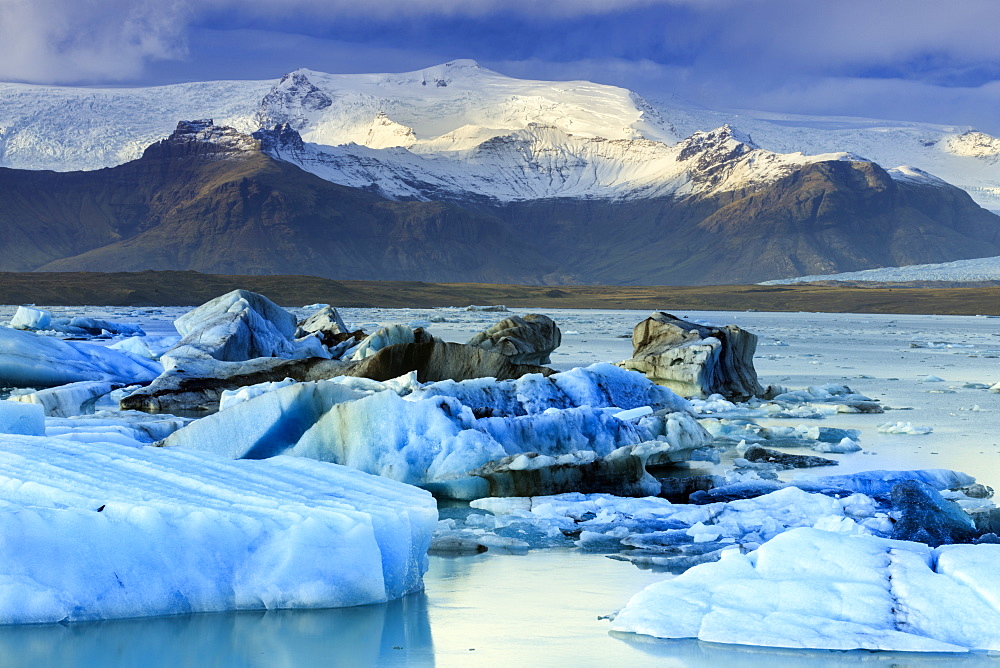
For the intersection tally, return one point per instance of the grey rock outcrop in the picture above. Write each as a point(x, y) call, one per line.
point(524, 340)
point(695, 360)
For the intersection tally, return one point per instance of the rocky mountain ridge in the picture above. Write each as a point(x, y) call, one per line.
point(213, 199)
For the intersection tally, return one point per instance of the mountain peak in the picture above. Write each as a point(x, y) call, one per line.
point(467, 63)
point(718, 145)
point(201, 137)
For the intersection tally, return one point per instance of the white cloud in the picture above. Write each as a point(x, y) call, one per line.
point(48, 41)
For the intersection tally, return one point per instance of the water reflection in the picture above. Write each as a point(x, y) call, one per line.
point(393, 633)
point(691, 653)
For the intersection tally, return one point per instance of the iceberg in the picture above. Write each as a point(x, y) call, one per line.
point(31, 360)
point(235, 327)
point(131, 428)
point(434, 435)
point(810, 588)
point(67, 400)
point(34, 319)
point(525, 340)
point(693, 359)
point(30, 318)
point(105, 531)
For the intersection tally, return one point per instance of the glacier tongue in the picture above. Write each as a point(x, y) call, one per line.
point(106, 531)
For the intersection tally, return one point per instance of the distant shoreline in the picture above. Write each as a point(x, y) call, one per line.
point(189, 288)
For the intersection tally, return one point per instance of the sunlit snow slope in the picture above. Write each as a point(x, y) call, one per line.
point(959, 155)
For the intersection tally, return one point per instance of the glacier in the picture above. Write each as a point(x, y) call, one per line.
point(102, 531)
point(461, 129)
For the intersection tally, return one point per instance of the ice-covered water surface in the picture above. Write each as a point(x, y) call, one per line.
point(894, 359)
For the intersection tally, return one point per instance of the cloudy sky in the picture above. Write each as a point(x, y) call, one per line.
point(923, 60)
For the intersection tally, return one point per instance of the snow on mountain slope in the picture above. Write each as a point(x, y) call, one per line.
point(975, 270)
point(461, 129)
point(334, 109)
point(62, 128)
point(959, 155)
point(65, 129)
point(543, 162)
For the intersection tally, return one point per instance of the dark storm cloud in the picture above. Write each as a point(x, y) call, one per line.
point(906, 59)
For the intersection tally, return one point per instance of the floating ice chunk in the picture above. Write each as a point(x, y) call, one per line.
point(827, 434)
point(234, 302)
point(845, 445)
point(880, 483)
point(597, 385)
point(99, 327)
point(931, 379)
point(995, 388)
point(809, 588)
point(132, 428)
point(497, 308)
point(923, 515)
point(387, 336)
point(150, 347)
point(67, 400)
point(265, 425)
point(157, 532)
point(633, 413)
point(230, 398)
point(30, 318)
point(903, 428)
point(701, 533)
point(655, 523)
point(524, 340)
point(236, 327)
point(30, 360)
point(22, 418)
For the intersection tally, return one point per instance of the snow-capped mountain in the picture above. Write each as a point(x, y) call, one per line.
point(959, 155)
point(540, 162)
point(459, 130)
point(212, 198)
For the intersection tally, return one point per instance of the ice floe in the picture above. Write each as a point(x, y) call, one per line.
point(28, 359)
point(106, 531)
point(67, 400)
point(810, 588)
point(903, 428)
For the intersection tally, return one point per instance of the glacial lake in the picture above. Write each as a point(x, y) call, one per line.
point(544, 607)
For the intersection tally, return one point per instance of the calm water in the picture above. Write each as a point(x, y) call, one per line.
point(542, 608)
point(539, 610)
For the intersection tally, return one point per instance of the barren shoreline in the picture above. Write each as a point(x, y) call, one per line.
point(188, 288)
